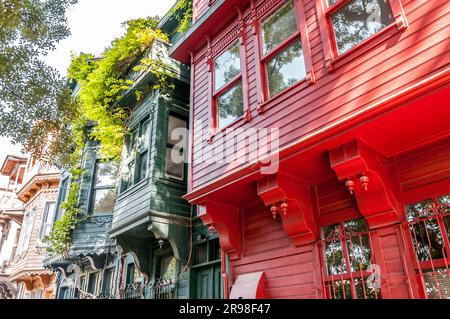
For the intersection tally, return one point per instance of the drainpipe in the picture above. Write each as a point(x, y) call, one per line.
point(225, 274)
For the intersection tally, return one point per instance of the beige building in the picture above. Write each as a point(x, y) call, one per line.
point(36, 188)
point(11, 216)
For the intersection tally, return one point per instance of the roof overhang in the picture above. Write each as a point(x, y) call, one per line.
point(9, 167)
point(209, 23)
point(37, 183)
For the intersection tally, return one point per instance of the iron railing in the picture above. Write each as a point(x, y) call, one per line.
point(159, 289)
point(348, 272)
point(429, 225)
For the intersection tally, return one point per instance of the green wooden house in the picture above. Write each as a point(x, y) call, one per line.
point(167, 252)
point(90, 268)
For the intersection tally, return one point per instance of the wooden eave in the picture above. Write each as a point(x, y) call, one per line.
point(10, 164)
point(211, 21)
point(37, 183)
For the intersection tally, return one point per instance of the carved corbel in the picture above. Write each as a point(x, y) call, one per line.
point(366, 175)
point(225, 219)
point(140, 249)
point(175, 232)
point(291, 200)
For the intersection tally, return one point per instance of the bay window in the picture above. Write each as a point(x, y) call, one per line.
point(282, 50)
point(103, 192)
point(347, 255)
point(135, 164)
point(228, 89)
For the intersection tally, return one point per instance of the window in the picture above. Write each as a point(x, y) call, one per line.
point(25, 230)
point(168, 268)
point(48, 219)
point(134, 276)
point(347, 256)
point(108, 282)
point(63, 188)
point(429, 225)
point(103, 193)
point(356, 20)
point(282, 51)
point(175, 149)
point(228, 95)
point(81, 288)
point(93, 283)
point(207, 252)
point(135, 165)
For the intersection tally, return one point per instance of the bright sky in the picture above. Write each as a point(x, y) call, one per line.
point(94, 24)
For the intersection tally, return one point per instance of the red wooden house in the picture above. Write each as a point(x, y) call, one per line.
point(346, 104)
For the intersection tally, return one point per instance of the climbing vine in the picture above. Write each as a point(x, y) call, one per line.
point(60, 239)
point(183, 11)
point(100, 83)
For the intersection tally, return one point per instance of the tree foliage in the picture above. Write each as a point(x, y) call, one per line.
point(102, 81)
point(29, 89)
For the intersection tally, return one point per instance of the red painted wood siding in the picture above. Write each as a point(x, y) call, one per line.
point(199, 8)
point(424, 166)
point(291, 272)
point(400, 61)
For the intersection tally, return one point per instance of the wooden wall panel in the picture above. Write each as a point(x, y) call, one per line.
point(291, 272)
point(424, 166)
point(400, 61)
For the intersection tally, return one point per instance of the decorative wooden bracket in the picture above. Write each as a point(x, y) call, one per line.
point(226, 220)
point(366, 175)
point(295, 206)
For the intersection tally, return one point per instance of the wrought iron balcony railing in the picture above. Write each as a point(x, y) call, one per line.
point(159, 289)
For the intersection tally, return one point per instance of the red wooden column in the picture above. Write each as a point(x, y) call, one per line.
point(366, 175)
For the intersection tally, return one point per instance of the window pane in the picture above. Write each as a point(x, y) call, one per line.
point(131, 144)
point(106, 174)
point(173, 169)
point(437, 284)
point(168, 268)
point(286, 69)
point(108, 281)
point(227, 66)
point(128, 176)
point(230, 106)
point(143, 166)
point(174, 124)
point(278, 27)
point(145, 135)
point(201, 254)
point(50, 213)
point(103, 201)
point(421, 209)
point(92, 284)
point(358, 20)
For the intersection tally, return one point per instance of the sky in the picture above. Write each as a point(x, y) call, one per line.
point(94, 24)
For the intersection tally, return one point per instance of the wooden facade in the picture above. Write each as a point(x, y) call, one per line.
point(362, 138)
point(36, 187)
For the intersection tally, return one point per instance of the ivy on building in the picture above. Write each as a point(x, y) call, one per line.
point(183, 11)
point(101, 82)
